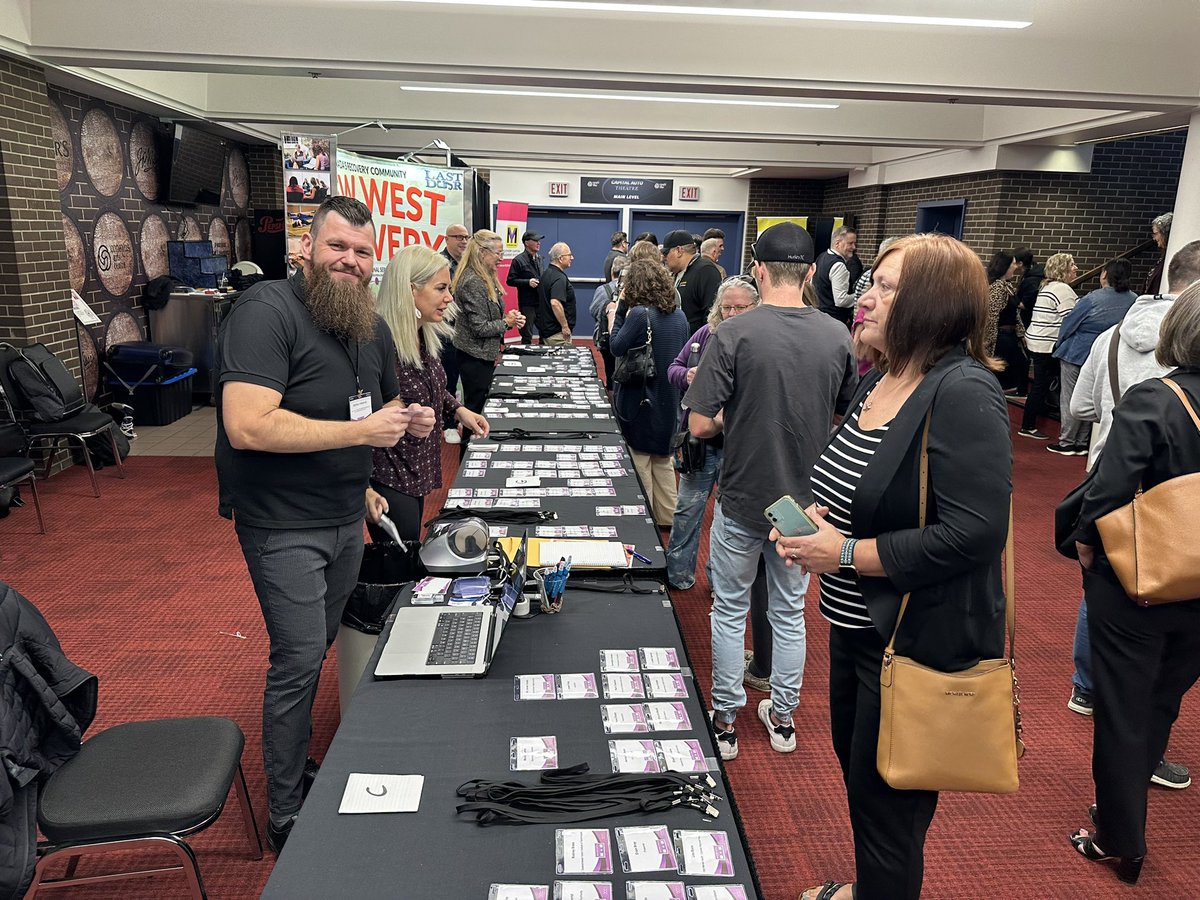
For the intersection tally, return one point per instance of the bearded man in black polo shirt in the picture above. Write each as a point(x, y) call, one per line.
point(307, 386)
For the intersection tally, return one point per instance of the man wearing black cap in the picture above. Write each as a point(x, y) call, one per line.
point(771, 379)
point(525, 275)
point(696, 277)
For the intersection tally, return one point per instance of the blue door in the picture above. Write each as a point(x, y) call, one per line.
point(589, 233)
point(661, 222)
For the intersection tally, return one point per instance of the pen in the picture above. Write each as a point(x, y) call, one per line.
point(637, 555)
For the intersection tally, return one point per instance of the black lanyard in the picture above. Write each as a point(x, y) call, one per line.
point(354, 362)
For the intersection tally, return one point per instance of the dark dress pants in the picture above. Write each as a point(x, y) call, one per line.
point(889, 825)
point(403, 509)
point(1143, 662)
point(1045, 371)
point(476, 375)
point(526, 331)
point(1016, 363)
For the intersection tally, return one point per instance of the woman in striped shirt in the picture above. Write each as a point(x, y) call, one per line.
point(926, 316)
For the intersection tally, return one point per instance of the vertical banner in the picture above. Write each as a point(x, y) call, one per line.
point(511, 222)
point(308, 164)
point(410, 203)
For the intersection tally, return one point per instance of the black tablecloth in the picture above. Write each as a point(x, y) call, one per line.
point(560, 362)
point(578, 404)
point(452, 731)
point(636, 529)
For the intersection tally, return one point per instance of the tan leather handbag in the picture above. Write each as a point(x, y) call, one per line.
point(951, 731)
point(1148, 541)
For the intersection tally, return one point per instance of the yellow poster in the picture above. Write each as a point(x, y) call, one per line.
point(765, 222)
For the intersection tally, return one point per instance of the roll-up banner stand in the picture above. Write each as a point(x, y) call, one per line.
point(511, 221)
point(308, 162)
point(410, 203)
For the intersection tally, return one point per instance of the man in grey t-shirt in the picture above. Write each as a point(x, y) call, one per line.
point(772, 379)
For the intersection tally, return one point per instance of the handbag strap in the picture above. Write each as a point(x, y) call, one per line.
point(1184, 400)
point(1112, 363)
point(1010, 605)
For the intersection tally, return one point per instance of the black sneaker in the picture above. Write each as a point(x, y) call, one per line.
point(1079, 450)
point(1060, 448)
point(727, 744)
point(1033, 433)
point(1080, 702)
point(1171, 775)
point(277, 835)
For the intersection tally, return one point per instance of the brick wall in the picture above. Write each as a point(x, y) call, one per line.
point(1098, 215)
point(35, 302)
point(266, 182)
point(868, 206)
point(780, 197)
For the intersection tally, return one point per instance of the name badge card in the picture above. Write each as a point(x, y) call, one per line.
point(360, 407)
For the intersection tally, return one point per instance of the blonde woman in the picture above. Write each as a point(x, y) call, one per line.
point(1055, 299)
point(413, 298)
point(481, 320)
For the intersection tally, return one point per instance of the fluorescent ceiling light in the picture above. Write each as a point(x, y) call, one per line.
point(641, 98)
point(734, 12)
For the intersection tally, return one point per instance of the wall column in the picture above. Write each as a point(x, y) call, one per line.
point(1185, 227)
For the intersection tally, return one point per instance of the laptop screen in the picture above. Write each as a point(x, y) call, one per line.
point(516, 576)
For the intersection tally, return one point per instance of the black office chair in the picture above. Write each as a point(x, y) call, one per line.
point(16, 468)
point(89, 422)
point(142, 785)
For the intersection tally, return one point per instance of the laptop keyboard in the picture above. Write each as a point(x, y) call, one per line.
point(455, 639)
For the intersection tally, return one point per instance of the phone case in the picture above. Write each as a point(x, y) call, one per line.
point(792, 521)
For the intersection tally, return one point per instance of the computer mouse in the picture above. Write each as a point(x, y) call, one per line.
point(456, 547)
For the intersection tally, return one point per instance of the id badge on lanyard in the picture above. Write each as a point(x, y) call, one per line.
point(360, 406)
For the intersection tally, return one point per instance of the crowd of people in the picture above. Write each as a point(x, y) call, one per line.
point(897, 449)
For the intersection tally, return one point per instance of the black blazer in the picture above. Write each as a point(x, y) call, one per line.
point(523, 268)
point(953, 567)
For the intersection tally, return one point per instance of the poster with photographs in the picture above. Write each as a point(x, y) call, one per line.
point(308, 163)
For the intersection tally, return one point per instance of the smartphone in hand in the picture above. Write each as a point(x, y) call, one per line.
point(787, 515)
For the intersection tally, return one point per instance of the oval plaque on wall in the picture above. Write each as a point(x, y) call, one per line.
point(153, 240)
point(76, 255)
point(64, 147)
point(101, 149)
point(112, 248)
point(189, 229)
point(218, 233)
point(143, 159)
point(238, 176)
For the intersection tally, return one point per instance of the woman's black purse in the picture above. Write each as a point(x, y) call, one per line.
point(637, 365)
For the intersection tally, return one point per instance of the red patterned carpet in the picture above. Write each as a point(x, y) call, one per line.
point(147, 588)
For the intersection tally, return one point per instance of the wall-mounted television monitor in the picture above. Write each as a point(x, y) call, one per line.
point(197, 165)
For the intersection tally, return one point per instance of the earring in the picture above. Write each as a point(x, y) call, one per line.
point(417, 311)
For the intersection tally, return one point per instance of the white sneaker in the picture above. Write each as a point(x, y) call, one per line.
point(783, 737)
point(451, 436)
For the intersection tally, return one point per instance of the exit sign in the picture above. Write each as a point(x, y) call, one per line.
point(559, 189)
point(689, 192)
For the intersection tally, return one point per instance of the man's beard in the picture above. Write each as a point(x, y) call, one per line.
point(344, 308)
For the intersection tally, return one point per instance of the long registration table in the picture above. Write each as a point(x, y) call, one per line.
point(559, 362)
point(549, 403)
point(453, 731)
point(588, 483)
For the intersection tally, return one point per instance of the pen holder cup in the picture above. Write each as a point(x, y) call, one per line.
point(551, 585)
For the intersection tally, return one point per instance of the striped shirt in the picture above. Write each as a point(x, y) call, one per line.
point(835, 477)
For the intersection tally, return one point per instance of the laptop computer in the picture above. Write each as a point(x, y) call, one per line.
point(452, 642)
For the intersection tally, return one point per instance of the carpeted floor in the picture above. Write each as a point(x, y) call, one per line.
point(147, 588)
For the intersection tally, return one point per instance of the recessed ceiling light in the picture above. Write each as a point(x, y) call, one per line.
point(804, 15)
point(640, 98)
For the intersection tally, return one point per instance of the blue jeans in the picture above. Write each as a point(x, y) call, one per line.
point(734, 553)
point(303, 578)
point(1082, 651)
point(684, 546)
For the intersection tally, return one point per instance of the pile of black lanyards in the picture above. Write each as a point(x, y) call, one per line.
point(572, 795)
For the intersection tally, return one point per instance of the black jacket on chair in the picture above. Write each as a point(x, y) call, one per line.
point(953, 566)
point(46, 703)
